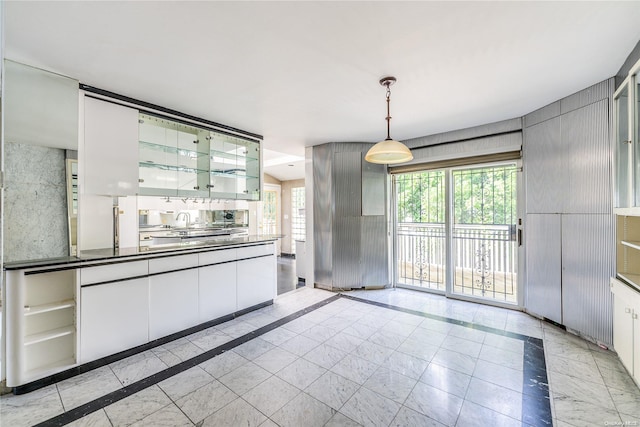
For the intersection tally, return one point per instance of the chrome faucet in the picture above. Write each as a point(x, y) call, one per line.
point(187, 216)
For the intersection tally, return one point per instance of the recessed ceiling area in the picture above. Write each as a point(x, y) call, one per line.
point(306, 73)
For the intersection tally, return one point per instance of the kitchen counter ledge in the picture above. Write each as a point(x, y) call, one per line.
point(109, 255)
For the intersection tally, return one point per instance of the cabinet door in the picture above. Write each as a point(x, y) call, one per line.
point(223, 166)
point(248, 184)
point(623, 148)
point(544, 268)
point(623, 325)
point(217, 286)
point(545, 172)
point(256, 281)
point(173, 302)
point(114, 317)
point(193, 161)
point(110, 149)
point(158, 158)
point(636, 339)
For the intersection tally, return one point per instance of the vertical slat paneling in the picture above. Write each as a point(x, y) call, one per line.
point(544, 269)
point(545, 113)
point(347, 177)
point(585, 132)
point(373, 253)
point(322, 214)
point(346, 253)
point(545, 172)
point(590, 95)
point(588, 254)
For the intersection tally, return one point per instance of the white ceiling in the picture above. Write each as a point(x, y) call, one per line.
point(306, 73)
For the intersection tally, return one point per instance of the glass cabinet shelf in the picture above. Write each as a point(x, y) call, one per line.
point(176, 159)
point(172, 167)
point(171, 150)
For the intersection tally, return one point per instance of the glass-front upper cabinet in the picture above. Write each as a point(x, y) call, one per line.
point(623, 148)
point(627, 141)
point(234, 167)
point(249, 159)
point(178, 159)
point(635, 81)
point(173, 158)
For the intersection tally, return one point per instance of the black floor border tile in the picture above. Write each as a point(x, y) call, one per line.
point(107, 360)
point(446, 319)
point(126, 391)
point(536, 403)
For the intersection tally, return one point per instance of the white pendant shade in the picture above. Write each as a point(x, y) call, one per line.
point(388, 151)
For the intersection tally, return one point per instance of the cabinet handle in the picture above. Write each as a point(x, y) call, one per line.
point(197, 187)
point(634, 316)
point(210, 185)
point(140, 180)
point(627, 142)
point(246, 191)
point(197, 141)
point(627, 310)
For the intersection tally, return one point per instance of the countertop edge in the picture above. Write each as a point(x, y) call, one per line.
point(105, 256)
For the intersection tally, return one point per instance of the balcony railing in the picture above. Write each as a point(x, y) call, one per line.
point(485, 258)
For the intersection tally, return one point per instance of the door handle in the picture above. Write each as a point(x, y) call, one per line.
point(519, 236)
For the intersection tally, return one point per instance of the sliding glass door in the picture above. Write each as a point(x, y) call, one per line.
point(484, 236)
point(456, 231)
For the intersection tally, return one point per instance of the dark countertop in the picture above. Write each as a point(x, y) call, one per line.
point(109, 254)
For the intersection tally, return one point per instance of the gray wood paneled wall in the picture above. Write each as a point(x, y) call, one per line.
point(350, 218)
point(569, 224)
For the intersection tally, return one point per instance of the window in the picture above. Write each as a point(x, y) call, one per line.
point(298, 229)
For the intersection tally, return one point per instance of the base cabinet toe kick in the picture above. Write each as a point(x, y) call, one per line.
point(61, 318)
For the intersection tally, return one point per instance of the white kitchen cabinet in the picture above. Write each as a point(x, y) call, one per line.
point(173, 302)
point(626, 326)
point(110, 151)
point(114, 317)
point(217, 291)
point(40, 307)
point(256, 280)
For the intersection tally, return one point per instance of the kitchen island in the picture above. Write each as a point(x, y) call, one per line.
point(68, 315)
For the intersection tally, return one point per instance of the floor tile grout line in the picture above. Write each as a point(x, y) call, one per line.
point(126, 391)
point(532, 347)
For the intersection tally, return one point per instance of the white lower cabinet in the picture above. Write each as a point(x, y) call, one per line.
point(256, 282)
point(114, 317)
point(173, 302)
point(122, 305)
point(217, 288)
point(626, 326)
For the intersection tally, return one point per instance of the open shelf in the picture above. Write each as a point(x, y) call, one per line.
point(49, 335)
point(45, 308)
point(49, 369)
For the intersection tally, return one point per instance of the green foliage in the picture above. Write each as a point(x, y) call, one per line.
point(480, 196)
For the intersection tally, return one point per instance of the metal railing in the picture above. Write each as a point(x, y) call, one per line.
point(484, 256)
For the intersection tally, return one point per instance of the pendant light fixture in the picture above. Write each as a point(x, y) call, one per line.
point(388, 151)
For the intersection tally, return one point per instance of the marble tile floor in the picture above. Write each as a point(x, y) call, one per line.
point(350, 363)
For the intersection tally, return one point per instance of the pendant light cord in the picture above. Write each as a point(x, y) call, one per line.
point(388, 111)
